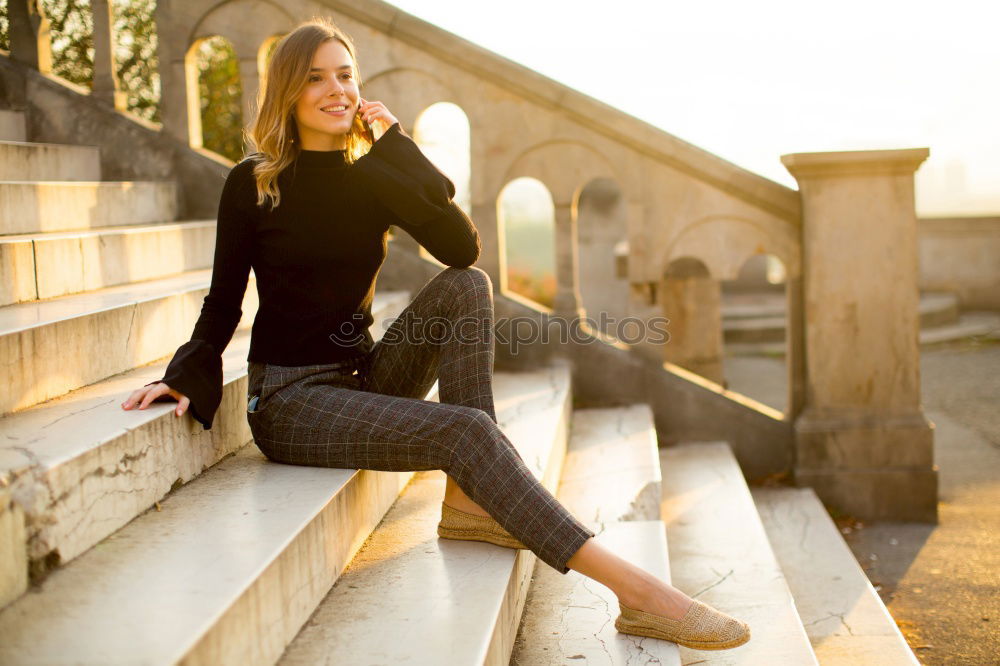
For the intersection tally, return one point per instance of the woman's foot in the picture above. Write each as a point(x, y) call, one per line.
point(653, 608)
point(651, 595)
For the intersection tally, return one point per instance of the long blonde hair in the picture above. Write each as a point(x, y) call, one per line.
point(273, 135)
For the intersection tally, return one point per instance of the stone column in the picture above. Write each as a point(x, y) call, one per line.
point(106, 88)
point(491, 259)
point(691, 299)
point(249, 84)
point(30, 41)
point(862, 439)
point(171, 51)
point(567, 300)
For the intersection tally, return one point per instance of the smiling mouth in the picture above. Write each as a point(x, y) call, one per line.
point(335, 109)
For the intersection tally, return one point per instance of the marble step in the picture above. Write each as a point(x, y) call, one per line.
point(20, 160)
point(58, 345)
point(36, 206)
point(720, 554)
point(234, 563)
point(612, 469)
point(571, 619)
point(12, 126)
point(759, 320)
point(69, 262)
point(612, 465)
point(409, 597)
point(80, 467)
point(843, 615)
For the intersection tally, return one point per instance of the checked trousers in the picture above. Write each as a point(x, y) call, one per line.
point(372, 415)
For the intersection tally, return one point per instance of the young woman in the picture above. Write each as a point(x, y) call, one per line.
point(309, 210)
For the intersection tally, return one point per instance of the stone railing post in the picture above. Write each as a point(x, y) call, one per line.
point(568, 303)
point(692, 300)
point(250, 79)
point(486, 220)
point(106, 88)
point(171, 51)
point(862, 439)
point(30, 41)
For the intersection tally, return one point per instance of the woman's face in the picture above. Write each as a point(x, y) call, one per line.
point(331, 82)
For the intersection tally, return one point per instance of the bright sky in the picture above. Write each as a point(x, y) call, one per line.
point(751, 81)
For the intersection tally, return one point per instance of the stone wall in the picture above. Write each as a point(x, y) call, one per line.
point(961, 254)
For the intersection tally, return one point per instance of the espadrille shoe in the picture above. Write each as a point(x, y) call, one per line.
point(457, 524)
point(701, 628)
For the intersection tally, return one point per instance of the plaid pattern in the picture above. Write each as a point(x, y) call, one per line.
point(370, 413)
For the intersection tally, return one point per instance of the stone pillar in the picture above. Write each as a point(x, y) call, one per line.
point(568, 303)
point(491, 256)
point(106, 88)
point(691, 299)
point(30, 41)
point(862, 439)
point(249, 84)
point(171, 52)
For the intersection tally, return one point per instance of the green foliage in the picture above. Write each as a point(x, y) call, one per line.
point(4, 27)
point(135, 56)
point(136, 62)
point(220, 91)
point(72, 32)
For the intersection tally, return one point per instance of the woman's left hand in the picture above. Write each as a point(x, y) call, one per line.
point(377, 116)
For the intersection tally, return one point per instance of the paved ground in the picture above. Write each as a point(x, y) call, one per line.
point(941, 582)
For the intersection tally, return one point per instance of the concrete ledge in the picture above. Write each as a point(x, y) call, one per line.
point(844, 617)
point(52, 347)
point(32, 207)
point(62, 263)
point(48, 161)
point(411, 597)
point(719, 554)
point(81, 467)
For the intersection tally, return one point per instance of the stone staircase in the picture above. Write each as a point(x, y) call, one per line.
point(754, 322)
point(147, 539)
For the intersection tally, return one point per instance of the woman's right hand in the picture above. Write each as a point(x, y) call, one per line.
point(148, 394)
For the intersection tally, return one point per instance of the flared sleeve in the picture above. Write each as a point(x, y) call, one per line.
point(196, 367)
point(409, 191)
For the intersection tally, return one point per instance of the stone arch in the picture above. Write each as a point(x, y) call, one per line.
point(724, 242)
point(411, 91)
point(228, 20)
point(565, 166)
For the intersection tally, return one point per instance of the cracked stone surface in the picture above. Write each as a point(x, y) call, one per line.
point(611, 464)
point(80, 467)
point(842, 614)
point(247, 549)
point(409, 597)
point(570, 619)
point(101, 331)
point(720, 554)
point(13, 550)
point(612, 468)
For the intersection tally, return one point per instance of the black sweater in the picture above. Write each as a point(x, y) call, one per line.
point(315, 258)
